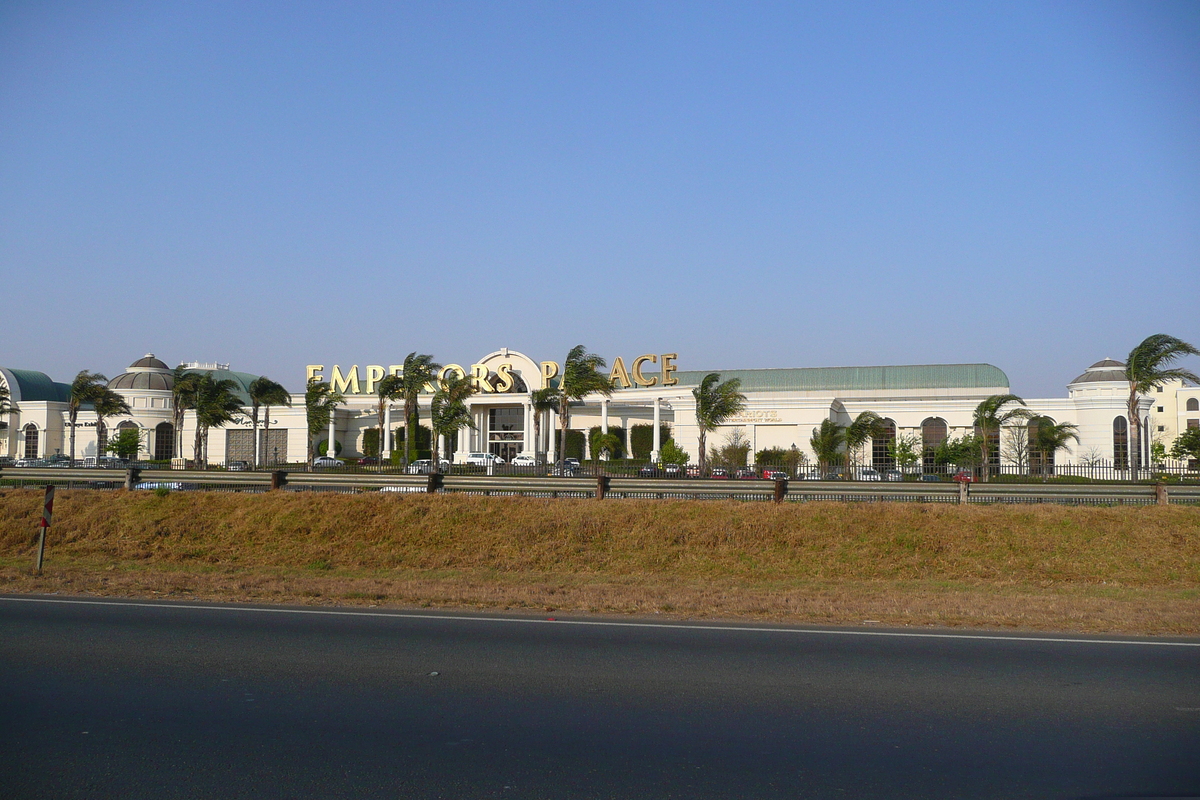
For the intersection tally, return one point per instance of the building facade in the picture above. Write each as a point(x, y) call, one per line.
point(925, 403)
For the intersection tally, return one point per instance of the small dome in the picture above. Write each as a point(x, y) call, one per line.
point(149, 361)
point(1103, 371)
point(147, 372)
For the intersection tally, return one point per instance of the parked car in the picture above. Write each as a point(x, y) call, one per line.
point(175, 486)
point(893, 475)
point(720, 474)
point(483, 459)
point(237, 466)
point(812, 475)
point(565, 469)
point(746, 474)
point(28, 462)
point(774, 474)
point(368, 461)
point(869, 474)
point(524, 460)
point(423, 466)
point(964, 476)
point(931, 477)
point(574, 462)
point(57, 460)
point(326, 462)
point(673, 470)
point(649, 471)
point(105, 462)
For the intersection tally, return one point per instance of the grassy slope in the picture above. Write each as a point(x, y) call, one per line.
point(1119, 569)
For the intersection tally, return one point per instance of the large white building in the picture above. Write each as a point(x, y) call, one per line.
point(928, 402)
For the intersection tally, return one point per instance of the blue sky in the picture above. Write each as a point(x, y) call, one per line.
point(747, 184)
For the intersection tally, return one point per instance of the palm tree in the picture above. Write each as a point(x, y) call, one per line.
point(265, 392)
point(448, 413)
point(544, 401)
point(1146, 369)
point(418, 371)
point(867, 425)
point(581, 376)
point(183, 397)
point(215, 405)
point(715, 403)
point(319, 401)
point(990, 416)
point(84, 389)
point(603, 443)
point(107, 403)
point(827, 440)
point(1048, 437)
point(389, 389)
point(7, 406)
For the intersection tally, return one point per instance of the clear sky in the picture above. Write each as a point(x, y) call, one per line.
point(790, 184)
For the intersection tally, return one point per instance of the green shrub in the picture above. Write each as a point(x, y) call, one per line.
point(641, 438)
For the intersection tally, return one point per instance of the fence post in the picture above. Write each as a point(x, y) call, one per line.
point(278, 479)
point(601, 486)
point(1160, 493)
point(964, 492)
point(781, 487)
point(435, 483)
point(132, 475)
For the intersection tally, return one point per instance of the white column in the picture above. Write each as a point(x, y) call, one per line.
point(332, 451)
point(657, 438)
point(385, 440)
point(529, 430)
point(552, 425)
point(604, 415)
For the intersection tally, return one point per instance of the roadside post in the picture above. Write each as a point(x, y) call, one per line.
point(1160, 493)
point(132, 476)
point(601, 486)
point(278, 479)
point(781, 487)
point(44, 525)
point(964, 491)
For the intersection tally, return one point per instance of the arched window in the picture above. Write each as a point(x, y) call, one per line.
point(1193, 404)
point(933, 432)
point(31, 441)
point(1120, 443)
point(880, 457)
point(164, 441)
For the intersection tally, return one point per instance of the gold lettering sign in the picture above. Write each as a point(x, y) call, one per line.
point(342, 383)
point(505, 376)
point(638, 377)
point(669, 368)
point(619, 376)
point(549, 372)
point(375, 374)
point(314, 373)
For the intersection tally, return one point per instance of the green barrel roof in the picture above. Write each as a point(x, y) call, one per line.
point(859, 379)
point(37, 387)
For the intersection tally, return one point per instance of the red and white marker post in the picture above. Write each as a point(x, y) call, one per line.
point(44, 525)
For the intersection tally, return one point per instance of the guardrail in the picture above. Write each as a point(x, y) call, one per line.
point(608, 486)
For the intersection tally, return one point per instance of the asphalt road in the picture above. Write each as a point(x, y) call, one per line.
point(135, 700)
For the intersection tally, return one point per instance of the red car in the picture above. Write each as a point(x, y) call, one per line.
point(964, 476)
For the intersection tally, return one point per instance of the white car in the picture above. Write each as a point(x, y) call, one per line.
point(424, 466)
point(326, 461)
point(483, 459)
point(524, 461)
point(869, 474)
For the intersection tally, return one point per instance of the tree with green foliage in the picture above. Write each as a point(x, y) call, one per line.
point(963, 451)
point(1047, 437)
point(84, 389)
point(827, 442)
point(581, 376)
point(1147, 368)
point(183, 398)
point(543, 401)
point(106, 403)
point(319, 401)
point(905, 450)
point(715, 403)
point(641, 438)
point(733, 452)
point(265, 393)
point(866, 426)
point(1187, 445)
point(448, 413)
point(126, 443)
point(389, 388)
point(991, 415)
point(419, 371)
point(673, 454)
point(216, 404)
point(604, 445)
point(7, 406)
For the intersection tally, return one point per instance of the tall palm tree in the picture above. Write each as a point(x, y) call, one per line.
point(389, 389)
point(448, 413)
point(581, 376)
point(183, 397)
point(419, 369)
point(603, 443)
point(715, 403)
point(84, 389)
point(1048, 437)
point(215, 405)
point(866, 426)
point(319, 401)
point(265, 392)
point(1146, 369)
point(107, 403)
point(7, 406)
point(992, 414)
point(827, 440)
point(544, 401)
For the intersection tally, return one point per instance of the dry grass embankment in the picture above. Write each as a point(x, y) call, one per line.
point(1066, 568)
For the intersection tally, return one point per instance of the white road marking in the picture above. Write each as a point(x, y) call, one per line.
point(323, 612)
